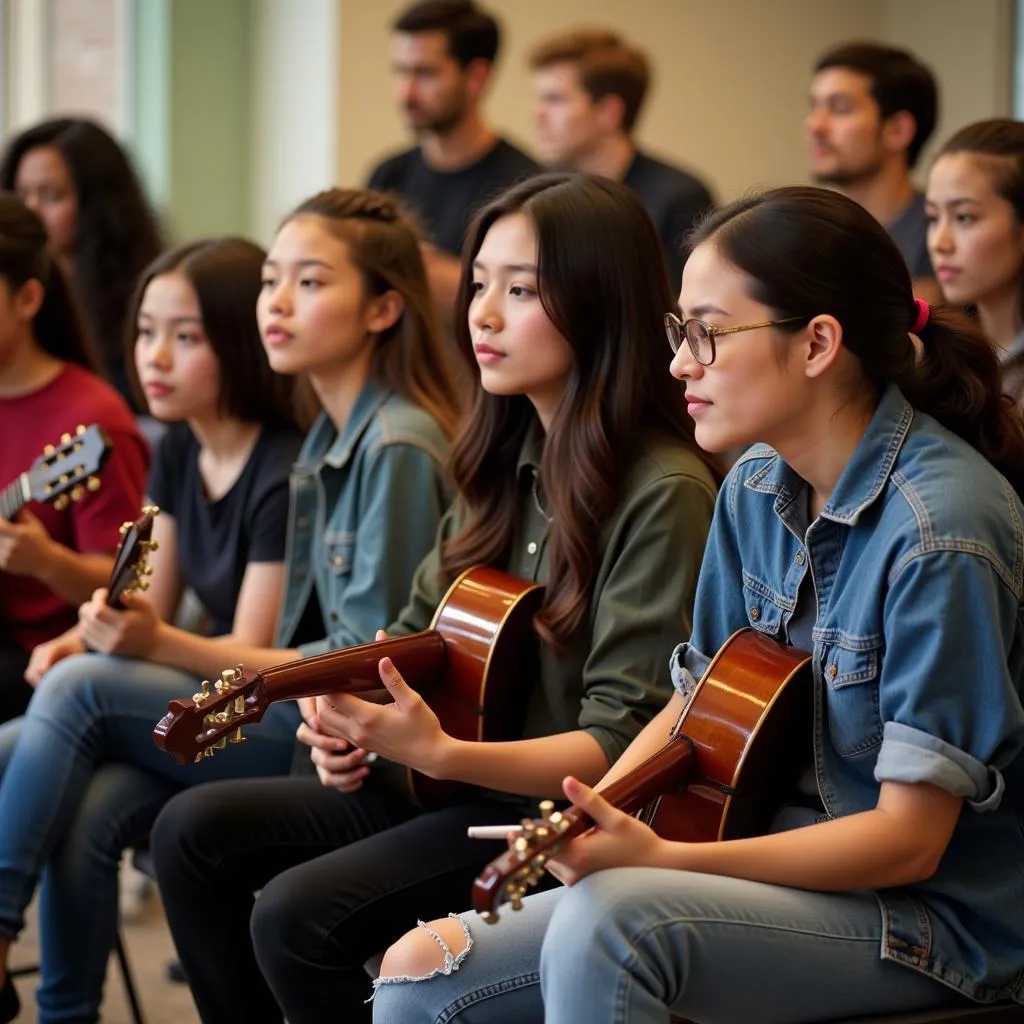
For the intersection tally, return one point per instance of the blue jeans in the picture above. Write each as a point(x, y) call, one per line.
point(633, 944)
point(81, 780)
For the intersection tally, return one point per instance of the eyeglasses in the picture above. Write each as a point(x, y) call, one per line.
point(700, 336)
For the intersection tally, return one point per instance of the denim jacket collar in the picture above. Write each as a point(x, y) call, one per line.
point(865, 475)
point(369, 400)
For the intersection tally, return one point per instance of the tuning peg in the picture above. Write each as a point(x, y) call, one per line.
point(221, 743)
point(546, 809)
point(65, 438)
point(80, 429)
point(491, 917)
point(142, 585)
point(124, 528)
point(64, 478)
point(62, 503)
point(151, 510)
point(93, 483)
point(48, 450)
point(77, 492)
point(236, 736)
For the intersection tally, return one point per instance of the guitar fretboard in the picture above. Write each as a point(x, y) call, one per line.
point(13, 499)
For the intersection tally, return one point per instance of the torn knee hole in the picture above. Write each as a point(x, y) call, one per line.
point(432, 949)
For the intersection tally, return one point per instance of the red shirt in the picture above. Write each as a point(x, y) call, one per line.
point(30, 612)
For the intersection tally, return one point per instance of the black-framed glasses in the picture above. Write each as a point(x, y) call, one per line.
point(700, 336)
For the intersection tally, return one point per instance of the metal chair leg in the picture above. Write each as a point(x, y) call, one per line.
point(129, 981)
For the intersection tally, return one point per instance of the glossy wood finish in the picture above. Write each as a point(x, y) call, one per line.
point(736, 753)
point(474, 666)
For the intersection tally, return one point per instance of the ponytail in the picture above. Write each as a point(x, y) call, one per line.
point(958, 379)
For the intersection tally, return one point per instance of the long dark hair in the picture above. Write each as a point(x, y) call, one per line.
point(809, 251)
point(57, 326)
point(117, 234)
point(412, 356)
point(226, 275)
point(604, 285)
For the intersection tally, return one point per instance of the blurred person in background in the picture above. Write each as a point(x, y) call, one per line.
point(590, 90)
point(873, 108)
point(443, 57)
point(975, 210)
point(102, 231)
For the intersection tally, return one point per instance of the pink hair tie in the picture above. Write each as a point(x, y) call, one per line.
point(923, 310)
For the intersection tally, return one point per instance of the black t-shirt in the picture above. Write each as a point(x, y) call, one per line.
point(216, 540)
point(445, 201)
point(674, 199)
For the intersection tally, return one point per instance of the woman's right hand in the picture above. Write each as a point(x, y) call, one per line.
point(46, 655)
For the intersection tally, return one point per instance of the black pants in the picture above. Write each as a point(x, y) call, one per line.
point(342, 876)
point(14, 691)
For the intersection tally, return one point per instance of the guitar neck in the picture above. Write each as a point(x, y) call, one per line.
point(660, 773)
point(13, 499)
point(419, 657)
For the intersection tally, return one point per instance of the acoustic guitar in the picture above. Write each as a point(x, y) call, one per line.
point(475, 666)
point(131, 560)
point(64, 473)
point(732, 759)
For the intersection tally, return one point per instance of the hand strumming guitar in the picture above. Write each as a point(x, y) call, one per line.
point(25, 546)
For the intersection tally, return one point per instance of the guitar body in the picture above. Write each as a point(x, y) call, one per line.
point(474, 666)
point(491, 662)
point(750, 723)
point(732, 759)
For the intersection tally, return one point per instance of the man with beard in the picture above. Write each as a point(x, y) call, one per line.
point(873, 109)
point(443, 57)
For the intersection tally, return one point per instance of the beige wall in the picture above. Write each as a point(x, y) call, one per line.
point(731, 75)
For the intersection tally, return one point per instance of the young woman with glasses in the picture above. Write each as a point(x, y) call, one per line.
point(879, 527)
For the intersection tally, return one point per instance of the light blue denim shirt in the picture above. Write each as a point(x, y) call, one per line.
point(364, 511)
point(917, 562)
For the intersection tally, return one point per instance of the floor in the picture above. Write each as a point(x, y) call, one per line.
point(149, 948)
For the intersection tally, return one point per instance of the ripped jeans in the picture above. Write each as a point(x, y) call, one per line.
point(630, 946)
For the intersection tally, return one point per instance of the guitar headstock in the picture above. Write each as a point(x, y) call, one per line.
point(509, 877)
point(66, 471)
point(192, 730)
point(131, 562)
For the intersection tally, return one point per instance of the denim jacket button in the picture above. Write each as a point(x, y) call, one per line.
point(799, 558)
point(531, 548)
point(755, 613)
point(338, 561)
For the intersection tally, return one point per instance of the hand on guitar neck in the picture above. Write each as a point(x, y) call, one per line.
point(730, 760)
point(128, 575)
point(116, 620)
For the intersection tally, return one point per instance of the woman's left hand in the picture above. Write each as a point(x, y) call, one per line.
point(406, 731)
point(617, 840)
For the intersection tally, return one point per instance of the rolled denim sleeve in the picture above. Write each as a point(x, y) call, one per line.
point(948, 695)
point(403, 498)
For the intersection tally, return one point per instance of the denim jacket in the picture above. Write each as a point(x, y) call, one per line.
point(364, 510)
point(917, 562)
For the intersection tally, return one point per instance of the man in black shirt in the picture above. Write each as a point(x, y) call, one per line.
point(590, 88)
point(873, 109)
point(444, 53)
